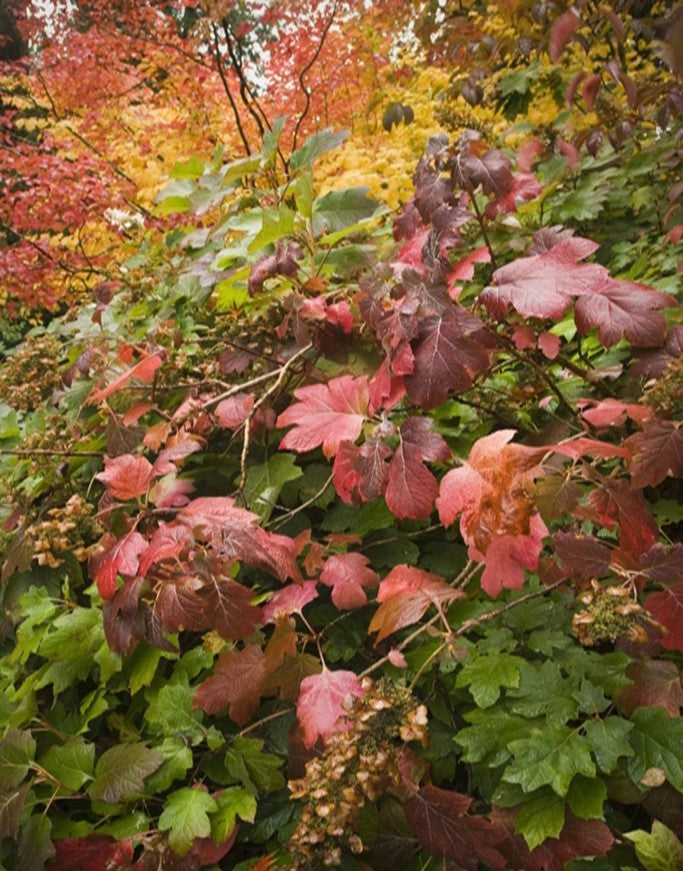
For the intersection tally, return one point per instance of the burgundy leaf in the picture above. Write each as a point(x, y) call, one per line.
point(124, 617)
point(283, 262)
point(91, 853)
point(228, 608)
point(654, 683)
point(440, 820)
point(617, 505)
point(411, 487)
point(450, 350)
point(624, 308)
point(656, 452)
point(663, 565)
point(179, 605)
point(348, 574)
point(168, 540)
point(236, 684)
point(667, 608)
point(584, 556)
point(652, 364)
point(492, 171)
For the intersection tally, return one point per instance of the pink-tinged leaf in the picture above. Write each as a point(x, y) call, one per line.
point(396, 658)
point(584, 556)
point(179, 606)
point(168, 541)
point(656, 453)
point(654, 683)
point(348, 574)
point(340, 314)
point(142, 371)
point(323, 703)
point(291, 599)
point(439, 819)
point(236, 684)
point(386, 389)
point(561, 32)
point(135, 412)
point(582, 447)
point(611, 412)
point(569, 152)
point(411, 487)
point(618, 506)
point(544, 285)
point(405, 594)
point(178, 447)
point(524, 337)
point(449, 351)
point(667, 607)
point(233, 411)
point(549, 345)
point(590, 89)
point(228, 608)
point(463, 269)
point(345, 475)
point(170, 491)
point(120, 556)
point(624, 308)
point(126, 477)
point(529, 153)
point(508, 555)
point(124, 617)
point(326, 414)
point(411, 253)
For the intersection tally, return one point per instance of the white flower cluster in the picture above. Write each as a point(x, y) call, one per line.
point(123, 220)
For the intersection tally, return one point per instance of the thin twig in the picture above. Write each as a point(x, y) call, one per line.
point(289, 514)
point(48, 452)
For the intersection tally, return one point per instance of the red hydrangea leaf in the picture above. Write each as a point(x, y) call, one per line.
point(584, 556)
point(491, 170)
point(348, 574)
point(326, 414)
point(411, 253)
point(544, 285)
point(233, 411)
point(340, 314)
point(610, 412)
point(582, 447)
point(449, 351)
point(549, 344)
point(234, 536)
point(289, 600)
point(371, 465)
point(178, 447)
point(508, 555)
point(440, 821)
point(179, 605)
point(321, 706)
point(561, 32)
point(386, 389)
point(236, 684)
point(666, 606)
point(228, 608)
point(168, 540)
point(123, 617)
point(524, 186)
point(120, 556)
point(92, 853)
point(345, 475)
point(404, 595)
point(617, 505)
point(126, 476)
point(142, 371)
point(411, 487)
point(654, 683)
point(624, 308)
point(657, 453)
point(459, 488)
point(524, 337)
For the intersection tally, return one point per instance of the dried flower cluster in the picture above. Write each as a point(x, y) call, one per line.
point(611, 613)
point(357, 765)
point(30, 376)
point(67, 529)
